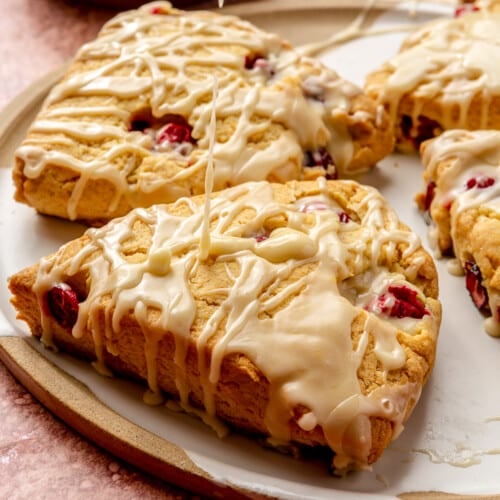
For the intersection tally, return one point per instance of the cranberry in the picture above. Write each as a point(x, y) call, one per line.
point(464, 9)
point(158, 10)
point(253, 60)
point(174, 133)
point(261, 237)
point(344, 217)
point(62, 302)
point(406, 125)
point(447, 205)
point(424, 130)
point(321, 158)
point(311, 206)
point(480, 182)
point(260, 63)
point(401, 301)
point(473, 283)
point(315, 205)
point(429, 195)
point(139, 125)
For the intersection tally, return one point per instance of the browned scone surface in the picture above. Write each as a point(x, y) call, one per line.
point(294, 281)
point(441, 78)
point(462, 199)
point(129, 123)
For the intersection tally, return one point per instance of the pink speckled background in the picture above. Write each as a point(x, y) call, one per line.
point(40, 456)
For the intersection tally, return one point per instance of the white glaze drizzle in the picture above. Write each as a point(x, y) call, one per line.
point(209, 175)
point(473, 154)
point(451, 58)
point(130, 60)
point(353, 31)
point(469, 154)
point(260, 319)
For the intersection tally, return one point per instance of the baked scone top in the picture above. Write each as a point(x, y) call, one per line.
point(133, 109)
point(471, 175)
point(451, 59)
point(462, 178)
point(317, 283)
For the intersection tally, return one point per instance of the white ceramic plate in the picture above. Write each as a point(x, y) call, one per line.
point(452, 441)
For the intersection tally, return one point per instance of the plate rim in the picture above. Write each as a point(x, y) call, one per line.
point(71, 400)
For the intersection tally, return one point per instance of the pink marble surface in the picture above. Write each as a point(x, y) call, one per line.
point(40, 456)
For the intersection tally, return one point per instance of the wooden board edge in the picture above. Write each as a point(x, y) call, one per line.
point(77, 406)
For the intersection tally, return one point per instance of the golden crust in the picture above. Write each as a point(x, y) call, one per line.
point(431, 101)
point(48, 172)
point(477, 238)
point(433, 110)
point(465, 218)
point(242, 392)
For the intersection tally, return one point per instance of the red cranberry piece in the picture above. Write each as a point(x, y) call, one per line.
point(344, 217)
point(312, 206)
point(157, 10)
point(261, 237)
point(174, 133)
point(481, 182)
point(464, 9)
point(139, 125)
point(251, 60)
point(321, 158)
point(424, 130)
point(429, 195)
point(259, 62)
point(406, 125)
point(485, 182)
point(448, 204)
point(470, 183)
point(473, 283)
point(62, 303)
point(401, 301)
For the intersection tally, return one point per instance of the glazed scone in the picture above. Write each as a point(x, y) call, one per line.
point(462, 198)
point(444, 77)
point(303, 312)
point(491, 5)
point(128, 124)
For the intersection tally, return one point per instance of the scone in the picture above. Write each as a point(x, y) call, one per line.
point(128, 125)
point(491, 5)
point(305, 313)
point(444, 77)
point(462, 197)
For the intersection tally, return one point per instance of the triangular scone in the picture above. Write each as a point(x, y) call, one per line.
point(307, 314)
point(128, 126)
point(446, 76)
point(462, 198)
